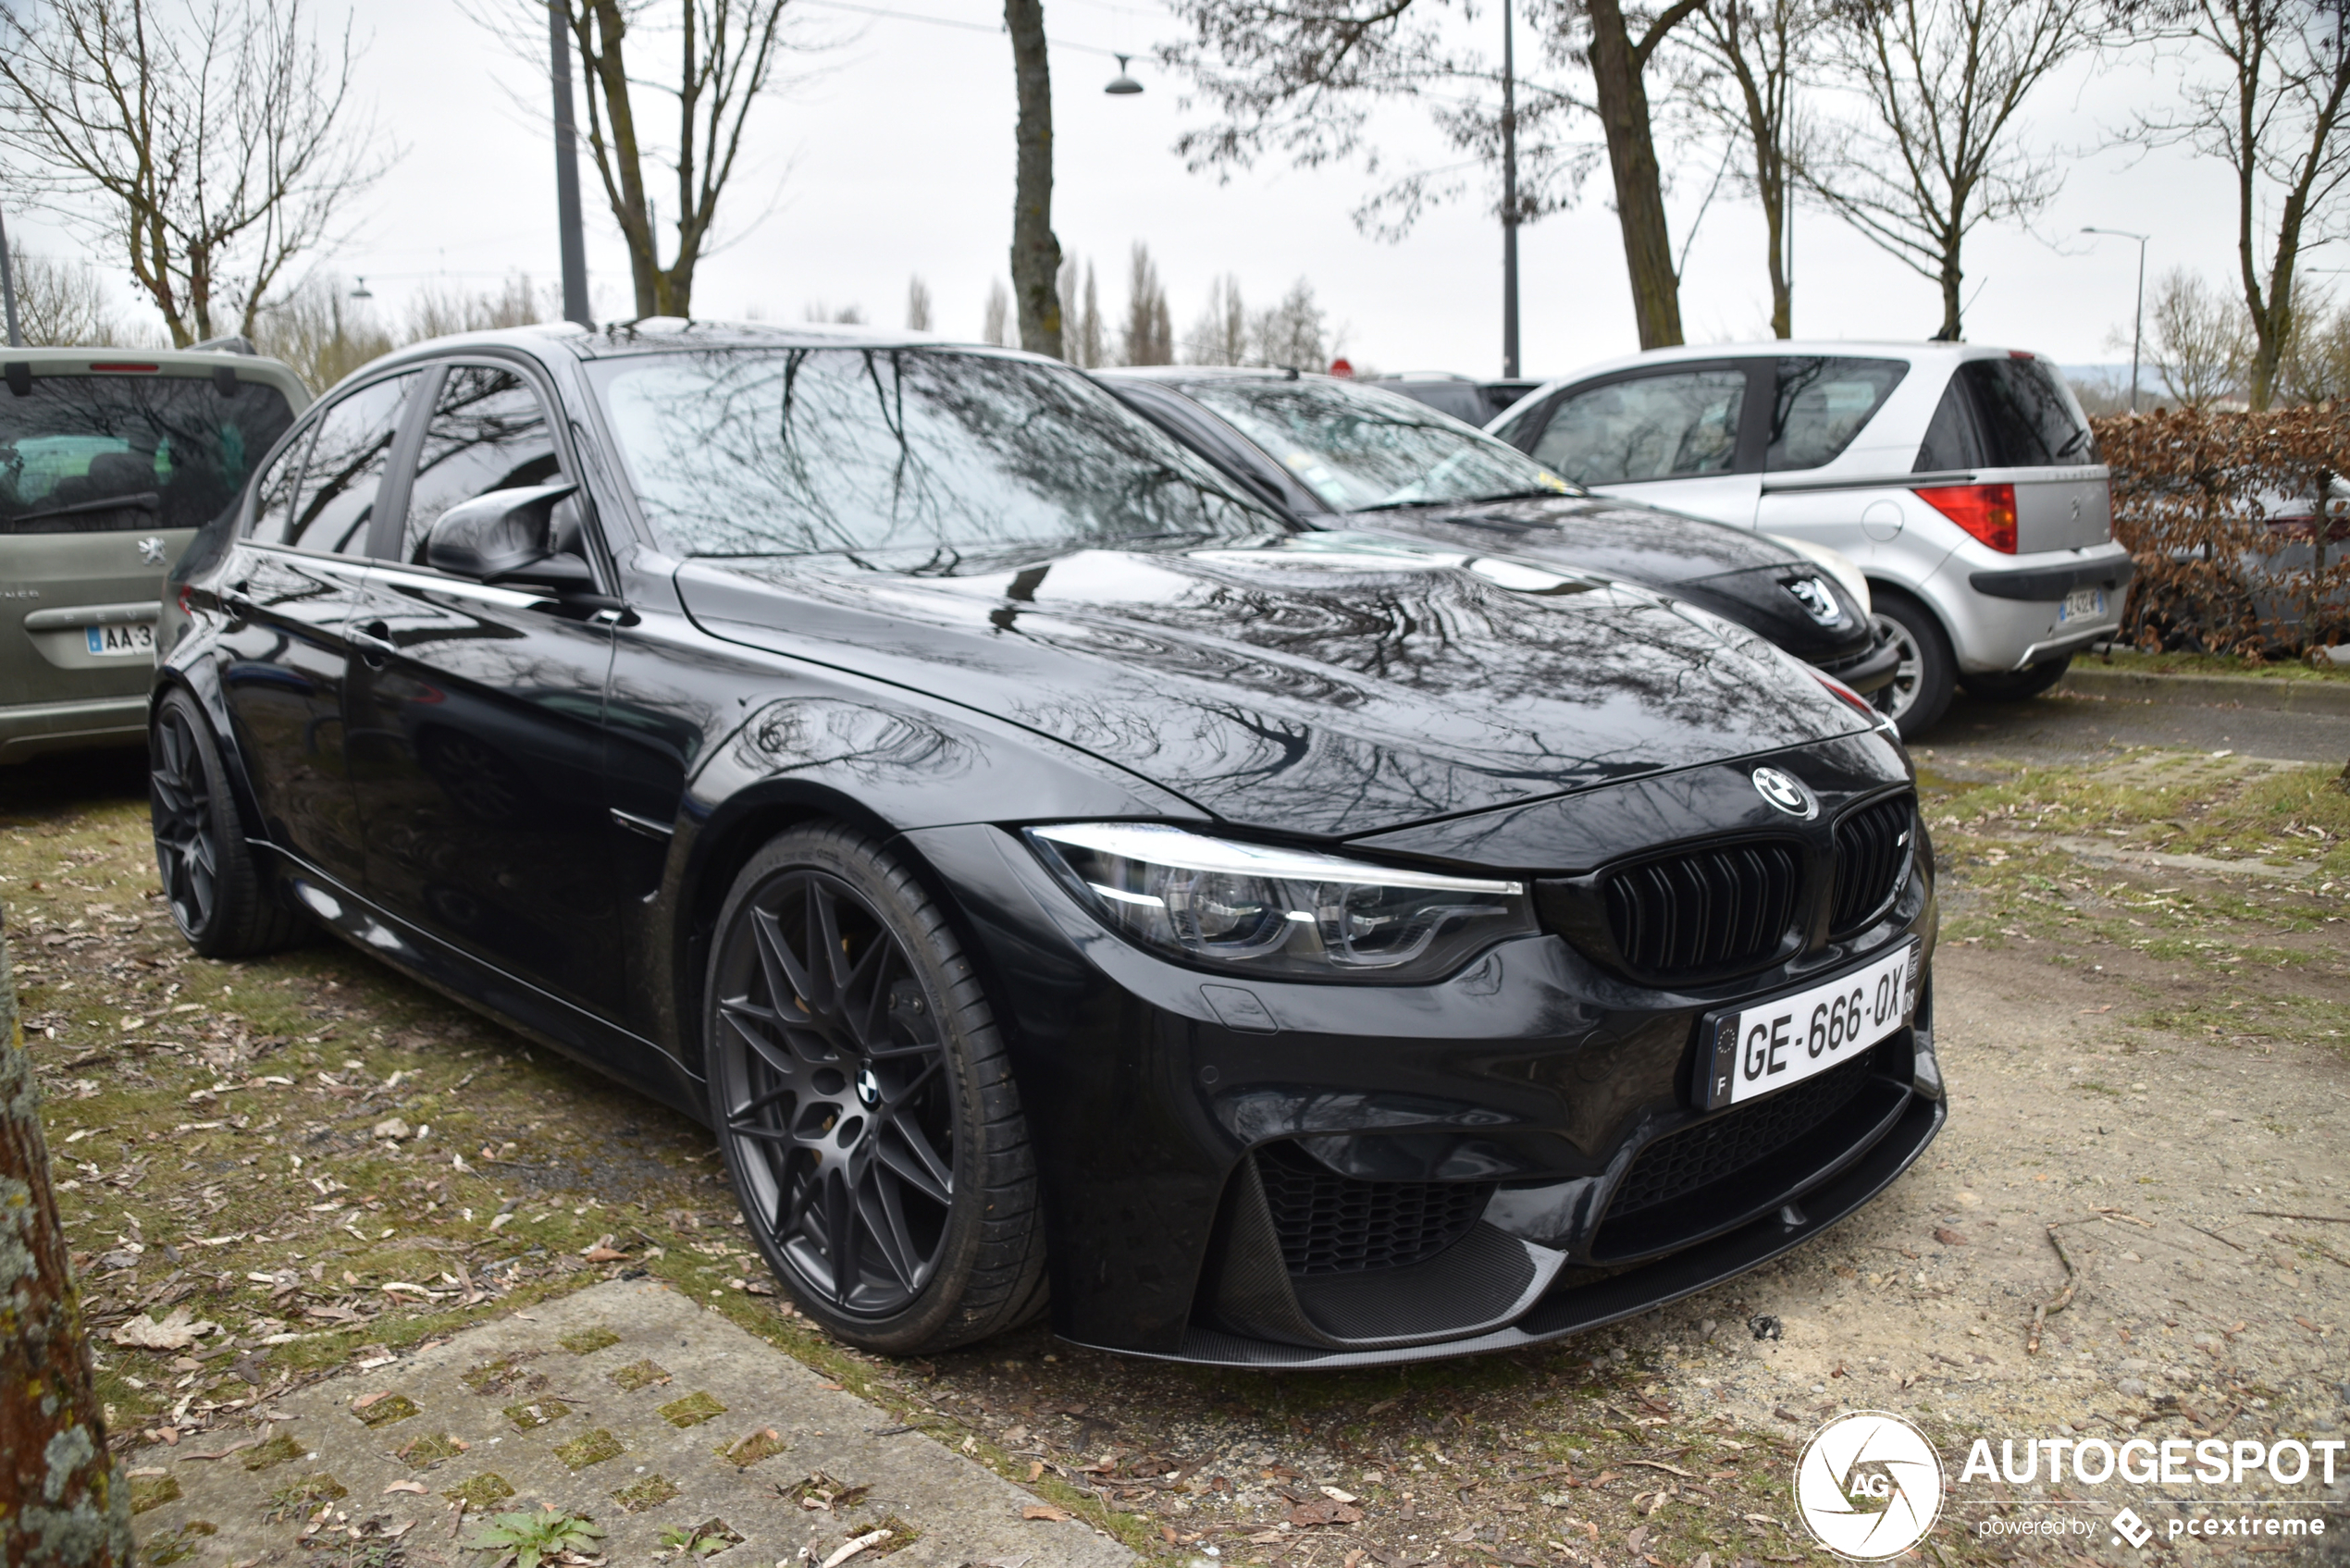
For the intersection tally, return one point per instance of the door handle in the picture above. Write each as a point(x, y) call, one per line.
point(373, 643)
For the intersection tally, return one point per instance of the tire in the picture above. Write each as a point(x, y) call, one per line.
point(2016, 686)
point(924, 1231)
point(221, 898)
point(1920, 692)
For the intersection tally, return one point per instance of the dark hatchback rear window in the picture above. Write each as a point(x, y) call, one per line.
point(96, 453)
point(2005, 413)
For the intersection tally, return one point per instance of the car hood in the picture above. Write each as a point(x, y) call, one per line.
point(1323, 684)
point(1617, 539)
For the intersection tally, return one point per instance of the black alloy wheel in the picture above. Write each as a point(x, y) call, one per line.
point(218, 895)
point(862, 1100)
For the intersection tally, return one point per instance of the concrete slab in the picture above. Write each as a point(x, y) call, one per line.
point(626, 1403)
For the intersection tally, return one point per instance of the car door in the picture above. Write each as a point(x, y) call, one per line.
point(476, 715)
point(1687, 436)
point(296, 576)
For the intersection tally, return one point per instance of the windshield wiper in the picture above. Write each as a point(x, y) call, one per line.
point(1543, 493)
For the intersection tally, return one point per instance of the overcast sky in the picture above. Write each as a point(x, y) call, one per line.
point(895, 160)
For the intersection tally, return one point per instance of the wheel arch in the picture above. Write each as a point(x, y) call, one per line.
point(200, 680)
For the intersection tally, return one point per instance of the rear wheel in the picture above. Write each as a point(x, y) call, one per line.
point(1919, 693)
point(2015, 685)
point(865, 1104)
point(220, 895)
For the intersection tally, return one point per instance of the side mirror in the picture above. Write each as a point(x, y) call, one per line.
point(505, 534)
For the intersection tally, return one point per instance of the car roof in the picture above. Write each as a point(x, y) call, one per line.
point(1884, 348)
point(87, 361)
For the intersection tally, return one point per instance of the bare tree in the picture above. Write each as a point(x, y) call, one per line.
point(63, 306)
point(2272, 107)
point(211, 145)
point(1751, 55)
point(1036, 252)
point(318, 330)
point(726, 53)
point(1301, 80)
point(1220, 335)
point(1083, 339)
point(2200, 338)
point(436, 311)
point(1291, 332)
point(1149, 335)
point(996, 326)
point(1938, 154)
point(917, 305)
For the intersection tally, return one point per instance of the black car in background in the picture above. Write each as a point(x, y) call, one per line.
point(1061, 881)
point(1339, 453)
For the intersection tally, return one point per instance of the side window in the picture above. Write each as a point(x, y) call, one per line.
point(1820, 405)
point(1950, 442)
point(487, 432)
point(335, 498)
point(274, 497)
point(1674, 426)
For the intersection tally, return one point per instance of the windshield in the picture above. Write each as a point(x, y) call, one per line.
point(903, 459)
point(97, 453)
point(1359, 448)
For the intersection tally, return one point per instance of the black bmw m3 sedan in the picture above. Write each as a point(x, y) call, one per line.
point(1062, 884)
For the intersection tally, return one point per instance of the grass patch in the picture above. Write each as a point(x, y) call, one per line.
point(588, 1341)
point(590, 1447)
point(650, 1492)
point(530, 1417)
point(482, 1493)
point(2209, 664)
point(385, 1410)
point(276, 1451)
point(422, 1453)
point(639, 1375)
point(692, 1411)
point(302, 1496)
point(762, 1444)
point(153, 1491)
point(504, 1375)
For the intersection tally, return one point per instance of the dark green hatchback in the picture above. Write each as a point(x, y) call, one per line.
point(109, 462)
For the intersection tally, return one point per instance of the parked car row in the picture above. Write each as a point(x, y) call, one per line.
point(1287, 881)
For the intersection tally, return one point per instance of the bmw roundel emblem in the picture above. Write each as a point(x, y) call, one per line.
point(1786, 792)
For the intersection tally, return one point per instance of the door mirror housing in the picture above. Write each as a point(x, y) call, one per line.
point(506, 535)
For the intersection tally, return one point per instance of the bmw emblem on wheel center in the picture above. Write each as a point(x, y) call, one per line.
point(1786, 792)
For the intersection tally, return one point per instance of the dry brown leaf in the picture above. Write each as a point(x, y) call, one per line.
point(1043, 1511)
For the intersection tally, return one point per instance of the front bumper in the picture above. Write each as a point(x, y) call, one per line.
point(1218, 1157)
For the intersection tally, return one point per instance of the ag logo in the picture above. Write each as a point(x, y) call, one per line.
point(151, 551)
point(1869, 1486)
point(1786, 792)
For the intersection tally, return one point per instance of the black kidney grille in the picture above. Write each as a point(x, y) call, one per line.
point(1333, 1224)
point(1727, 1142)
point(1713, 909)
point(1872, 849)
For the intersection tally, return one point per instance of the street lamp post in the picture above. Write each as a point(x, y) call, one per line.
point(1509, 196)
point(567, 215)
point(2137, 328)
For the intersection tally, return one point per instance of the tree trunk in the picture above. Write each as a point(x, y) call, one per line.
point(63, 1501)
point(1639, 194)
point(1037, 254)
point(1951, 278)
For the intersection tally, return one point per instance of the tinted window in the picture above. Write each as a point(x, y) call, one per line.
point(1678, 426)
point(273, 506)
point(1461, 400)
point(1950, 443)
point(2023, 414)
point(100, 453)
point(1819, 404)
point(907, 460)
point(1359, 448)
point(487, 432)
point(334, 498)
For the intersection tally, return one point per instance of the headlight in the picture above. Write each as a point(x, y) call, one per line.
point(1281, 914)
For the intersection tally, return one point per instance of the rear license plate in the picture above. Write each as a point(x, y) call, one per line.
point(1761, 1049)
point(115, 642)
point(2081, 604)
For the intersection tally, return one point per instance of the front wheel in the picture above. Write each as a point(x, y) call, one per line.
point(864, 1102)
point(1920, 691)
point(219, 894)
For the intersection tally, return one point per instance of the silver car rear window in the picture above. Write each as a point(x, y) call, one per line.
point(2008, 412)
point(97, 453)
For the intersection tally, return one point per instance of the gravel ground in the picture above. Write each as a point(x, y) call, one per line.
point(2142, 1056)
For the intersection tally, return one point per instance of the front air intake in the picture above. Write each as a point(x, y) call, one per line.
point(1872, 853)
point(1704, 912)
point(1333, 1224)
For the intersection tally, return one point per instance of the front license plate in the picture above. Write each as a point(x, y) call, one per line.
point(113, 642)
point(2081, 604)
point(1760, 1050)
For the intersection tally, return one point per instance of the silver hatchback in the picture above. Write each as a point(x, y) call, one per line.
point(1962, 479)
point(109, 462)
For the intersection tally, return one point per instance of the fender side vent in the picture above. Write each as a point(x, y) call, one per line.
point(1333, 1224)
